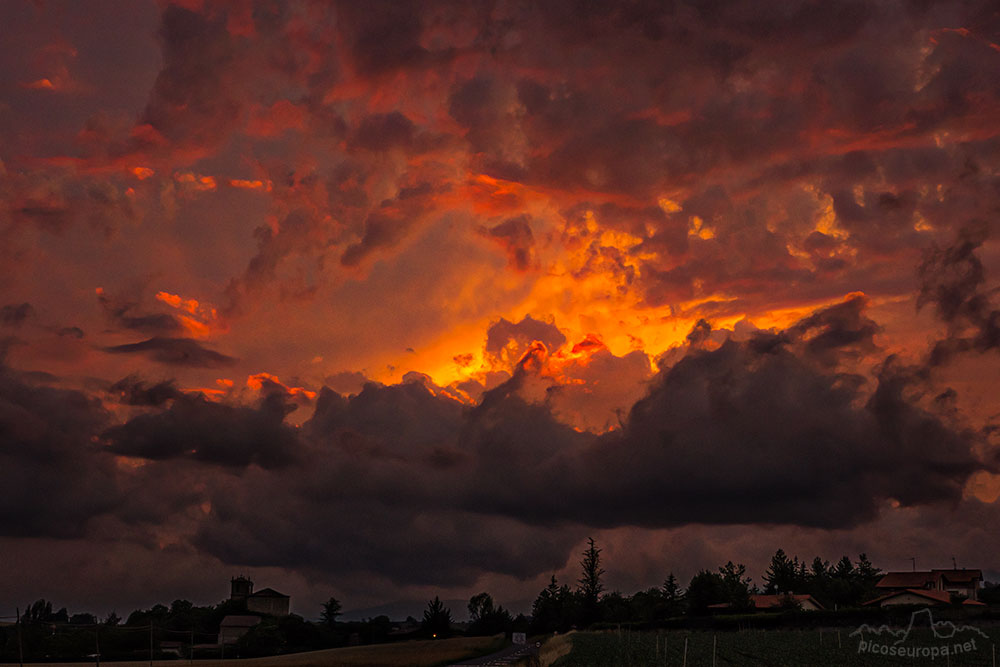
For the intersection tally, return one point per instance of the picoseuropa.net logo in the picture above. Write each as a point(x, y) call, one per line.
point(943, 639)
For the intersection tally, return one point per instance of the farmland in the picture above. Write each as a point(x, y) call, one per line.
point(426, 653)
point(773, 648)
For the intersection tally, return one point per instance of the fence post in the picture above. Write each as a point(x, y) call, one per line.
point(20, 646)
point(685, 651)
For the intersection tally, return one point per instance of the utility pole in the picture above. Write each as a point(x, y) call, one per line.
point(20, 646)
point(191, 654)
point(97, 642)
point(150, 642)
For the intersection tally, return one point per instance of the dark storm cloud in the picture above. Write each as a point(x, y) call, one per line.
point(132, 390)
point(192, 101)
point(388, 224)
point(523, 333)
point(13, 315)
point(420, 418)
point(385, 36)
point(383, 468)
point(953, 279)
point(225, 435)
point(753, 431)
point(762, 430)
point(515, 237)
point(54, 199)
point(840, 328)
point(122, 312)
point(53, 478)
point(381, 132)
point(765, 437)
point(296, 230)
point(176, 352)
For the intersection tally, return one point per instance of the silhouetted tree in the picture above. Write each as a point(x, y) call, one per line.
point(867, 576)
point(616, 608)
point(437, 619)
point(590, 586)
point(673, 596)
point(485, 617)
point(331, 610)
point(784, 575)
point(990, 593)
point(705, 589)
point(40, 611)
point(735, 587)
point(112, 619)
point(555, 609)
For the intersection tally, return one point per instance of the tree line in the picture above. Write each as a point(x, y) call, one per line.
point(843, 585)
point(45, 632)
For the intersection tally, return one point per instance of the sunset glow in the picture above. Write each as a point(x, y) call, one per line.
point(289, 287)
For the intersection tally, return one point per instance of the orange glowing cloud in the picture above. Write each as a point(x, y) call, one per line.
point(142, 173)
point(39, 84)
point(250, 185)
point(257, 382)
point(196, 182)
point(200, 320)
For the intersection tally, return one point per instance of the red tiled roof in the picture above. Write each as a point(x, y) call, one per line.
point(960, 576)
point(937, 596)
point(268, 593)
point(908, 579)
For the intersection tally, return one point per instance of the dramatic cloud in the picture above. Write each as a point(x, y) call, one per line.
point(211, 432)
point(175, 352)
point(13, 315)
point(678, 275)
point(52, 474)
point(953, 280)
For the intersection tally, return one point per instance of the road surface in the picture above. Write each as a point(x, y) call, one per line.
point(508, 656)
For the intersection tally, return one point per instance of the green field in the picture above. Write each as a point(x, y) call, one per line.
point(426, 653)
point(777, 648)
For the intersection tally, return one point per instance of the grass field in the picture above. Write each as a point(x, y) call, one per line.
point(401, 654)
point(774, 648)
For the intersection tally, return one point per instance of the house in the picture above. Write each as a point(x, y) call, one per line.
point(963, 583)
point(235, 626)
point(911, 596)
point(264, 601)
point(778, 600)
point(269, 601)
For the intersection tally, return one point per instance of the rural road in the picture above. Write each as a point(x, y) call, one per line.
point(508, 656)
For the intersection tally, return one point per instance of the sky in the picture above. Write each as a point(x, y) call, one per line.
point(389, 300)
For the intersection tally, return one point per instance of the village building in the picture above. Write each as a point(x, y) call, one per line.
point(264, 601)
point(269, 601)
point(235, 626)
point(960, 583)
